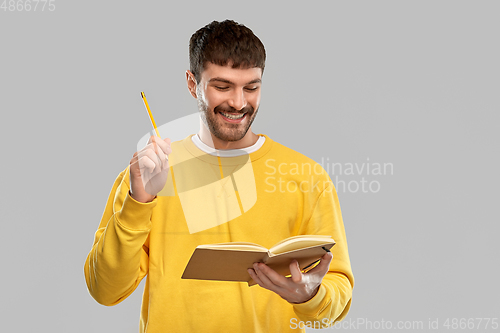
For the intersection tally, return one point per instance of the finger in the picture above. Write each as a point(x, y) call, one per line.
point(155, 157)
point(134, 158)
point(151, 139)
point(295, 271)
point(265, 282)
point(152, 147)
point(164, 145)
point(148, 154)
point(160, 148)
point(155, 154)
point(323, 266)
point(146, 163)
point(142, 165)
point(254, 277)
point(271, 279)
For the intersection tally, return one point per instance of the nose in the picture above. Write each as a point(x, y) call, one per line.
point(238, 100)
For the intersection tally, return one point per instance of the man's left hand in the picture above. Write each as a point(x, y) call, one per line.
point(298, 288)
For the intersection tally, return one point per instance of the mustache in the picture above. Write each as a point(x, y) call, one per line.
point(230, 109)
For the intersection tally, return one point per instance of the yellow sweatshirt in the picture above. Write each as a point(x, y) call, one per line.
point(277, 193)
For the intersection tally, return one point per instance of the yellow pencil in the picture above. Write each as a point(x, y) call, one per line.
point(150, 114)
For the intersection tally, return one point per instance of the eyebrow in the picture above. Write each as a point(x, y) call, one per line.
point(219, 79)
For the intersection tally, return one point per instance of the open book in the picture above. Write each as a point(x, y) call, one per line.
point(230, 261)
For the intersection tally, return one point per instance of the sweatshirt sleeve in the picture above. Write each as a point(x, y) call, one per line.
point(118, 260)
point(333, 299)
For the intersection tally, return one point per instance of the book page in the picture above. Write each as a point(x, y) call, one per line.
point(235, 246)
point(299, 242)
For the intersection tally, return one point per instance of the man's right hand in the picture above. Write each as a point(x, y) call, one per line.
point(149, 169)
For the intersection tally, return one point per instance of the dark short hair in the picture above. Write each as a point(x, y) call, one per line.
point(222, 43)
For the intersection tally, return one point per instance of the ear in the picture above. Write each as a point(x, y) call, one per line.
point(191, 83)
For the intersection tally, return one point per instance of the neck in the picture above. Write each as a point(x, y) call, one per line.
point(210, 140)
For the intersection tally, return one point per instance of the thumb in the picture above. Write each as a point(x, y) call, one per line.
point(295, 271)
point(323, 266)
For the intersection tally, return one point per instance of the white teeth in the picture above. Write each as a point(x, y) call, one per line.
point(233, 117)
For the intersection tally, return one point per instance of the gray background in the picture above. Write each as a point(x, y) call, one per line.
point(412, 83)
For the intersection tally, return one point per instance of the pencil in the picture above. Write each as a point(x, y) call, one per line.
point(150, 114)
point(314, 263)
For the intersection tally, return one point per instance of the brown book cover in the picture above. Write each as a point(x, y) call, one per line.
point(230, 261)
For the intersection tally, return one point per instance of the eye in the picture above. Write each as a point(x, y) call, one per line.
point(252, 89)
point(221, 88)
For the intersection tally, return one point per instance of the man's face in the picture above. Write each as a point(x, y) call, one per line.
point(228, 99)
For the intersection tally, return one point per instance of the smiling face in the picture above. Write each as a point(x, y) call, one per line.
point(228, 99)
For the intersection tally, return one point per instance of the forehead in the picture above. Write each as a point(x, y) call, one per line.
point(237, 76)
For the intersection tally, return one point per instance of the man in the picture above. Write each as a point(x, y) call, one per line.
point(160, 209)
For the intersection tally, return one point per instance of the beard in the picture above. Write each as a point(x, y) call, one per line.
point(221, 129)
